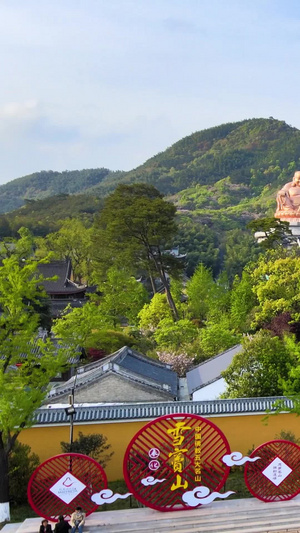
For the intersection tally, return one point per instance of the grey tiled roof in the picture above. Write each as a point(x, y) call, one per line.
point(137, 411)
point(126, 362)
point(63, 284)
point(34, 348)
point(210, 370)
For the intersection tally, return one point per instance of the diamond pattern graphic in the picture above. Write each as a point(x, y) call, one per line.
point(277, 471)
point(67, 487)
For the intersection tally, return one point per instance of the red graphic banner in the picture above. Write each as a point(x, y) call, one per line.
point(64, 482)
point(275, 476)
point(173, 455)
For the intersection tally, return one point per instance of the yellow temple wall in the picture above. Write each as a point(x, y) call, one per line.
point(242, 432)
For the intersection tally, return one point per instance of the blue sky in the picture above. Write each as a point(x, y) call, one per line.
point(92, 83)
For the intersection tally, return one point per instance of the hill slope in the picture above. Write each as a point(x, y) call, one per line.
point(255, 154)
point(218, 178)
point(208, 156)
point(49, 183)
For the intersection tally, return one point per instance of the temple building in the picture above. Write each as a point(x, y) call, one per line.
point(62, 290)
point(125, 375)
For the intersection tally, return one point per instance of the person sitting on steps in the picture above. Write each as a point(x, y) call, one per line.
point(45, 527)
point(62, 526)
point(77, 520)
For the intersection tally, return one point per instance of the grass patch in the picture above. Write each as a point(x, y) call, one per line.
point(236, 482)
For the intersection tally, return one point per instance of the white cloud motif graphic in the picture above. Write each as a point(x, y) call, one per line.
point(107, 496)
point(150, 480)
point(237, 458)
point(201, 496)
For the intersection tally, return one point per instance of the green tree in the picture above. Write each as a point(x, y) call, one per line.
point(175, 335)
point(240, 249)
point(274, 232)
point(94, 445)
point(242, 301)
point(260, 369)
point(21, 247)
point(287, 435)
point(132, 229)
point(121, 296)
point(24, 387)
point(200, 243)
point(22, 463)
point(276, 285)
point(76, 325)
point(219, 301)
point(216, 336)
point(71, 241)
point(154, 312)
point(200, 290)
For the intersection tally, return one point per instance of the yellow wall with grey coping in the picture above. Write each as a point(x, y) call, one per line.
point(242, 432)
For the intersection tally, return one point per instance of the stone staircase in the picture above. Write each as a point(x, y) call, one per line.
point(244, 516)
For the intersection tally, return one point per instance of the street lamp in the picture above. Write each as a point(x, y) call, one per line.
point(71, 411)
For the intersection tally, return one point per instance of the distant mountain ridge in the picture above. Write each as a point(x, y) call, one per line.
point(252, 154)
point(43, 184)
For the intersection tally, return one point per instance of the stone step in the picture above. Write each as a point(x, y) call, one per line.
point(11, 528)
point(235, 516)
point(213, 525)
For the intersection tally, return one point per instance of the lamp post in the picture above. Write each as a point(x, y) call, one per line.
point(71, 411)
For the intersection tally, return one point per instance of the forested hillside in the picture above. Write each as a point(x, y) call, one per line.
point(219, 179)
point(208, 156)
point(48, 183)
point(254, 153)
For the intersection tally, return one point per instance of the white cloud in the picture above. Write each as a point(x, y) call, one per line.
point(202, 496)
point(150, 480)
point(19, 110)
point(107, 496)
point(236, 458)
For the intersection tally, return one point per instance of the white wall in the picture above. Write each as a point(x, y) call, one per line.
point(211, 391)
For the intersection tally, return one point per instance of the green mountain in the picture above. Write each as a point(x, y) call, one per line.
point(245, 151)
point(49, 183)
point(218, 178)
point(253, 153)
point(44, 216)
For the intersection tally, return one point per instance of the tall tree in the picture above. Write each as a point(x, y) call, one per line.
point(27, 362)
point(272, 232)
point(71, 241)
point(240, 249)
point(200, 289)
point(242, 301)
point(94, 445)
point(122, 297)
point(260, 369)
point(276, 284)
point(133, 228)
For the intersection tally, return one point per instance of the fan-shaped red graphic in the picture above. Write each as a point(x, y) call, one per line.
point(75, 475)
point(190, 454)
point(276, 475)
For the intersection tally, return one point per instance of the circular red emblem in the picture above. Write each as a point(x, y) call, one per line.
point(189, 451)
point(64, 482)
point(275, 476)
